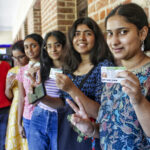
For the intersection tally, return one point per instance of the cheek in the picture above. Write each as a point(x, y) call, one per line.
point(92, 42)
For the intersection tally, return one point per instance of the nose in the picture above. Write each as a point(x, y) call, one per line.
point(82, 36)
point(115, 40)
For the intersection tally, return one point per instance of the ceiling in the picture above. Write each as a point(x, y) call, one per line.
point(8, 11)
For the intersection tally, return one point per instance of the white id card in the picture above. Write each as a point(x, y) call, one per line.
point(108, 74)
point(53, 72)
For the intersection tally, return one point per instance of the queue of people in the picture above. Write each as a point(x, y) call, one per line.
point(78, 111)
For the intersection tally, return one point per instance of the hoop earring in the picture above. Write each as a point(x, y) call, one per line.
point(142, 46)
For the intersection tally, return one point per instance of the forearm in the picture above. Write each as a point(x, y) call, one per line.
point(142, 111)
point(52, 102)
point(91, 107)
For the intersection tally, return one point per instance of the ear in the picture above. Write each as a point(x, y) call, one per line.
point(143, 33)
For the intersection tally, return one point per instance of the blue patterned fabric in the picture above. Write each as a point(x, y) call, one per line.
point(119, 126)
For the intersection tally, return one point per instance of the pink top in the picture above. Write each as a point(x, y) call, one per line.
point(28, 108)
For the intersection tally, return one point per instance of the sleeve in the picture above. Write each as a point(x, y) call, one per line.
point(20, 74)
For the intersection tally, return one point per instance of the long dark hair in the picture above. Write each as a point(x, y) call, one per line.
point(134, 14)
point(46, 61)
point(99, 52)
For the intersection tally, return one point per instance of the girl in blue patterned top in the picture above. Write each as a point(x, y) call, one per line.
point(87, 50)
point(124, 114)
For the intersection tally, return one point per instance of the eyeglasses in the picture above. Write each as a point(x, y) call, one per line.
point(18, 58)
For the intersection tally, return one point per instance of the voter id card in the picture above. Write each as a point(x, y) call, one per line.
point(109, 74)
point(53, 72)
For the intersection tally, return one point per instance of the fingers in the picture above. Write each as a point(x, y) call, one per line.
point(80, 104)
point(73, 106)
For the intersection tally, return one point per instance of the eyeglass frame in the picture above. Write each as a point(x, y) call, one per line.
point(18, 58)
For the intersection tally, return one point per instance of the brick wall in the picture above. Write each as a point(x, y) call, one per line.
point(34, 19)
point(99, 9)
point(57, 15)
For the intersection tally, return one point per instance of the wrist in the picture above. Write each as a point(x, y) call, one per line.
point(93, 131)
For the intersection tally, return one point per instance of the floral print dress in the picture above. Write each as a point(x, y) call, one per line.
point(119, 126)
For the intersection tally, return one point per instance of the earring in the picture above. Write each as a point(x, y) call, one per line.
point(142, 46)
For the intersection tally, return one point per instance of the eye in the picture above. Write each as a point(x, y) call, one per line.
point(122, 32)
point(49, 46)
point(77, 34)
point(33, 45)
point(57, 45)
point(25, 47)
point(109, 33)
point(88, 33)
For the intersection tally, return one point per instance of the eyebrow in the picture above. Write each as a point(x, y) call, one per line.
point(118, 29)
point(54, 43)
point(84, 31)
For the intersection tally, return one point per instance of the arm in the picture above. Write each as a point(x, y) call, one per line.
point(9, 84)
point(65, 83)
point(141, 105)
point(21, 108)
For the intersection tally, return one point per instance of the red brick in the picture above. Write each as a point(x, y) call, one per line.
point(96, 17)
point(62, 4)
point(100, 4)
point(61, 16)
point(102, 15)
point(70, 4)
point(70, 16)
point(65, 10)
point(65, 22)
point(91, 9)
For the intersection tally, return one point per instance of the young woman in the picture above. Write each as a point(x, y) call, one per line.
point(125, 108)
point(13, 138)
point(87, 52)
point(44, 122)
point(32, 46)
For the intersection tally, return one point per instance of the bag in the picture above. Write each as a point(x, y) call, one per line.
point(38, 93)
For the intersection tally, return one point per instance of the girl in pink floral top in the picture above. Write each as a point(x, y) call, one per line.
point(32, 45)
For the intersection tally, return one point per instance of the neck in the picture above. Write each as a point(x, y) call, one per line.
point(85, 59)
point(135, 62)
point(35, 60)
point(57, 63)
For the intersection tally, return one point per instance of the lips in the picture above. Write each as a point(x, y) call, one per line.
point(82, 45)
point(117, 50)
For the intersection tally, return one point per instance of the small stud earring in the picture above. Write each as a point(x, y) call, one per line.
point(142, 46)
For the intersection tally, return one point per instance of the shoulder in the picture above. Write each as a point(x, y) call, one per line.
point(6, 64)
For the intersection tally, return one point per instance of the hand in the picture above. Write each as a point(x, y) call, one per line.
point(64, 82)
point(131, 86)
point(35, 76)
point(22, 131)
point(80, 118)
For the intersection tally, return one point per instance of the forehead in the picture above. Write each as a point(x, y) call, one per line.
point(117, 22)
point(17, 52)
point(29, 40)
point(51, 39)
point(83, 27)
